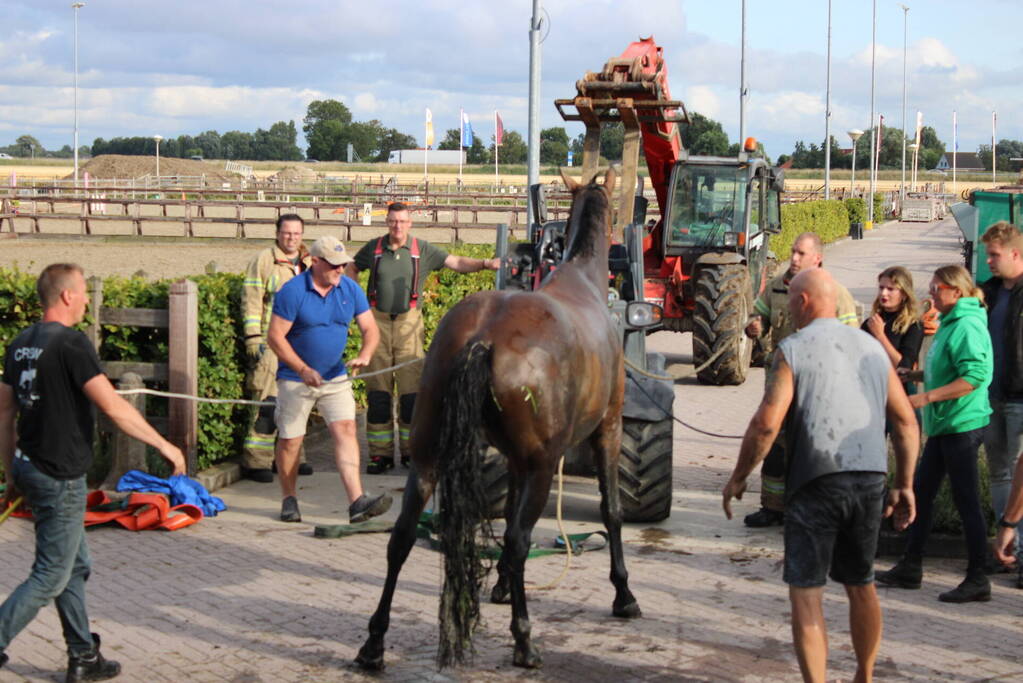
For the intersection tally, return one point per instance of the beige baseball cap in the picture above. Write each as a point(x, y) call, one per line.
point(331, 250)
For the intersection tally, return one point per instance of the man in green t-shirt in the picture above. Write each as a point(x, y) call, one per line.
point(399, 264)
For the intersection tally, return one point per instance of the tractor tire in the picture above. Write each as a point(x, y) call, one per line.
point(645, 469)
point(495, 481)
point(723, 304)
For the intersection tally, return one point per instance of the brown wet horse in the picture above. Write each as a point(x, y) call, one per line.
point(533, 374)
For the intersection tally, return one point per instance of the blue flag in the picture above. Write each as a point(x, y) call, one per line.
point(466, 130)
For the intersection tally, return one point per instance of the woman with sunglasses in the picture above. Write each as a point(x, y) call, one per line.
point(957, 373)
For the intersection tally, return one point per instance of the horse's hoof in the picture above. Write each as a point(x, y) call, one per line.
point(630, 611)
point(500, 595)
point(530, 659)
point(370, 658)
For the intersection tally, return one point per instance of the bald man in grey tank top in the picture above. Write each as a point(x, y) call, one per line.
point(834, 387)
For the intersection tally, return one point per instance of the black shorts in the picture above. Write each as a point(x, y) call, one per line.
point(832, 523)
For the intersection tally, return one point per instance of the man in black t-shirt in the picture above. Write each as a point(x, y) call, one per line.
point(51, 380)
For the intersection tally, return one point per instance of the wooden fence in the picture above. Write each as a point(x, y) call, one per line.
point(180, 372)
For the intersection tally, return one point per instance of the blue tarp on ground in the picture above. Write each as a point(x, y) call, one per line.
point(180, 488)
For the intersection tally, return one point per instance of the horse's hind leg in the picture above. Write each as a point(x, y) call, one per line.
point(501, 592)
point(532, 493)
point(403, 537)
point(606, 443)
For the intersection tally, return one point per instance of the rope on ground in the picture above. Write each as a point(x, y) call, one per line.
point(245, 402)
point(692, 372)
point(561, 527)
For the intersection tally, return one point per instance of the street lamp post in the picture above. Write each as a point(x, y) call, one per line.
point(76, 6)
point(873, 123)
point(913, 148)
point(827, 117)
point(854, 135)
point(905, 47)
point(158, 138)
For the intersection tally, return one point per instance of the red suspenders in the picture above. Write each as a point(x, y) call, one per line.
point(378, 253)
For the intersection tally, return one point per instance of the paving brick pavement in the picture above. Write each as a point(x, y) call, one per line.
point(245, 598)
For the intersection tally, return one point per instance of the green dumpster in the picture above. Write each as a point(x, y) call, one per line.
point(985, 208)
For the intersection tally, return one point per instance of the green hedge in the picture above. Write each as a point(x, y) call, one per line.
point(222, 428)
point(828, 218)
point(857, 208)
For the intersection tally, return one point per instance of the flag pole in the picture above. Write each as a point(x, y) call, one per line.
point(426, 148)
point(461, 136)
point(955, 148)
point(496, 147)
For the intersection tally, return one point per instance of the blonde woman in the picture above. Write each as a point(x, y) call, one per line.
point(957, 373)
point(894, 321)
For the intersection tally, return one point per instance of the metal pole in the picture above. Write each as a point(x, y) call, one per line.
point(76, 6)
point(873, 123)
point(905, 44)
point(852, 177)
point(743, 93)
point(827, 118)
point(994, 157)
point(533, 156)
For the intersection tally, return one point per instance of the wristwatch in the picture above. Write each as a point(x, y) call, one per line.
point(1002, 522)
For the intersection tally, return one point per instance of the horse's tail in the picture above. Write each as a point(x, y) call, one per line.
point(462, 500)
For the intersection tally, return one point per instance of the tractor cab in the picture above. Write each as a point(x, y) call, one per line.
point(721, 203)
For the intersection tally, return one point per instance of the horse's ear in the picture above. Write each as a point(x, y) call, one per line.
point(609, 180)
point(569, 183)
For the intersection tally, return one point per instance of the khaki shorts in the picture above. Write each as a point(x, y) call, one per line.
point(295, 400)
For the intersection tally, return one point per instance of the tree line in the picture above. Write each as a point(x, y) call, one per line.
point(330, 130)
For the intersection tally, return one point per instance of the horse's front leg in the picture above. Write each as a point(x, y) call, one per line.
point(403, 537)
point(531, 499)
point(607, 443)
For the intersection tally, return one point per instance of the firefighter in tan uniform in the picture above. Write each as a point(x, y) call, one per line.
point(263, 279)
point(771, 315)
point(398, 265)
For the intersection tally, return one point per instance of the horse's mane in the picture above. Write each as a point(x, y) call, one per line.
point(586, 222)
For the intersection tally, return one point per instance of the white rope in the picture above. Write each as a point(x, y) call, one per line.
point(244, 402)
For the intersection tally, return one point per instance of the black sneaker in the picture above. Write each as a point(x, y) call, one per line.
point(365, 507)
point(91, 666)
point(263, 476)
point(289, 510)
point(379, 465)
point(907, 573)
point(764, 518)
point(974, 588)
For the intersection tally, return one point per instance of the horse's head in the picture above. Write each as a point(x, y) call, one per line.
point(590, 214)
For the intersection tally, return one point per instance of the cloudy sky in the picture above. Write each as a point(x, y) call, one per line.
point(184, 66)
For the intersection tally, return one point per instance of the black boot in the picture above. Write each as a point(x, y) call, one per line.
point(907, 573)
point(90, 666)
point(764, 517)
point(976, 587)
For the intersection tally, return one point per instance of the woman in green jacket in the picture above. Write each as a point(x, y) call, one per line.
point(955, 403)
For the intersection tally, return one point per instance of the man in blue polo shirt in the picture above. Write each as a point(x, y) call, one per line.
point(308, 332)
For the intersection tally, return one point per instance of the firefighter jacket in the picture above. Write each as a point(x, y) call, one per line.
point(265, 276)
point(773, 306)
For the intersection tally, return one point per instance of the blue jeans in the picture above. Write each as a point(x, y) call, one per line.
point(62, 561)
point(956, 456)
point(1003, 440)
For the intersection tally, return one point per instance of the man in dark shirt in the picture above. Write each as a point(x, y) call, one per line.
point(840, 387)
point(398, 265)
point(1003, 293)
point(51, 380)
